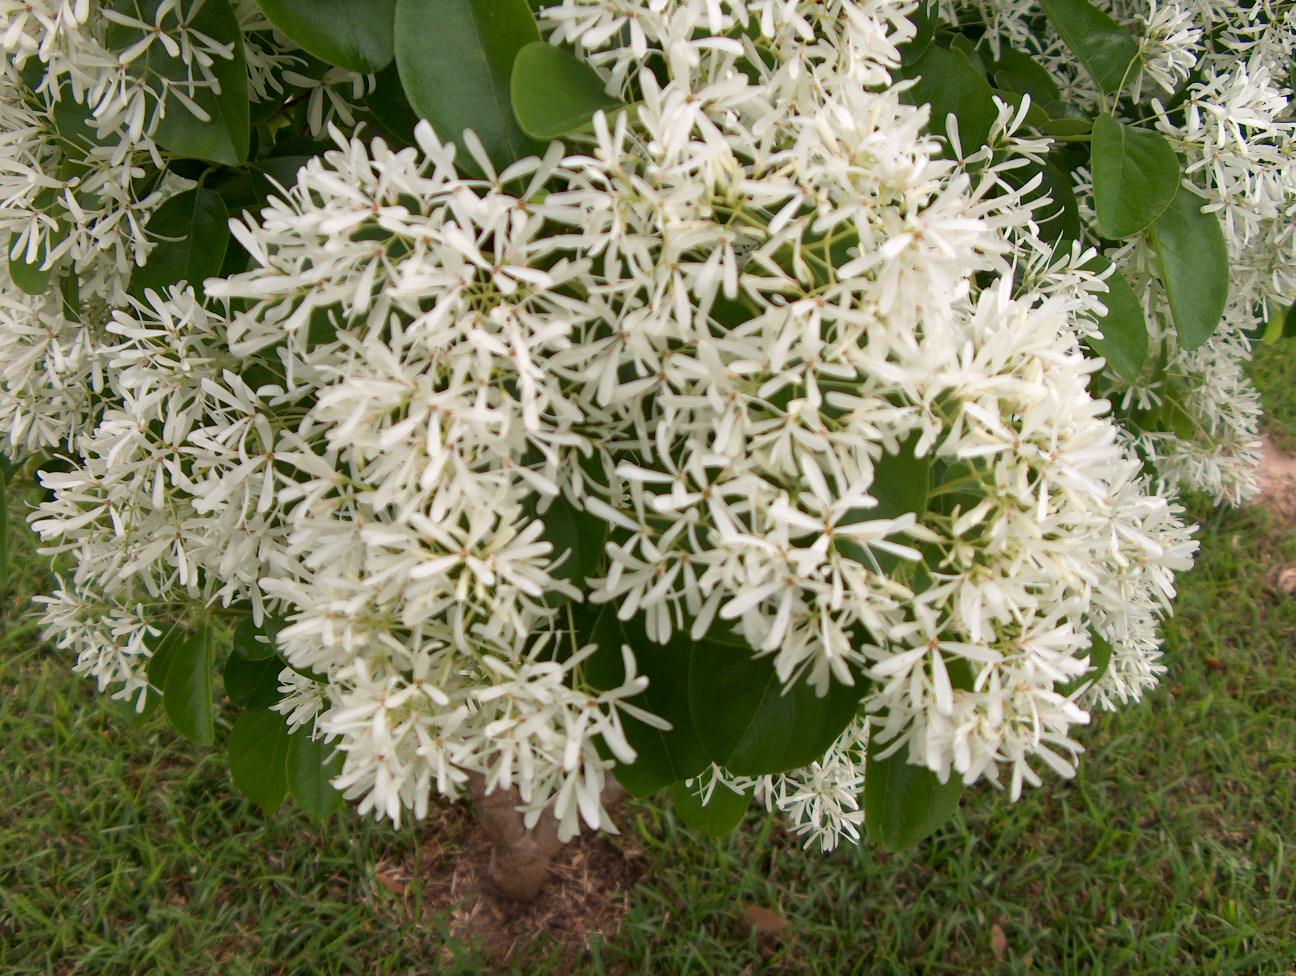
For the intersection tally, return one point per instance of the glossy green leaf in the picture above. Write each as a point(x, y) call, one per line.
point(1107, 50)
point(191, 233)
point(664, 756)
point(225, 136)
point(948, 82)
point(718, 816)
point(354, 34)
point(750, 724)
point(258, 752)
point(554, 92)
point(187, 692)
point(1136, 174)
point(252, 684)
point(1124, 342)
point(904, 804)
point(1289, 323)
point(1194, 265)
point(311, 766)
point(456, 63)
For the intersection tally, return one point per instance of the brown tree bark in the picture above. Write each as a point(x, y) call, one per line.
point(520, 858)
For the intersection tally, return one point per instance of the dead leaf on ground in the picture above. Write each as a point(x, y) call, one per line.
point(998, 941)
point(763, 921)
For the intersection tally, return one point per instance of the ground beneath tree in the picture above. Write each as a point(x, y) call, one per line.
point(586, 897)
point(1278, 494)
point(1278, 480)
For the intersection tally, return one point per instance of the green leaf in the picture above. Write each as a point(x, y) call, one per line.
point(963, 46)
point(905, 804)
point(1289, 323)
point(1136, 174)
point(717, 817)
point(187, 689)
point(252, 684)
point(1035, 115)
point(1124, 342)
point(554, 92)
point(391, 108)
point(164, 649)
point(663, 756)
point(29, 275)
point(925, 20)
point(750, 724)
point(191, 233)
point(948, 82)
point(258, 751)
point(354, 34)
point(901, 485)
point(456, 62)
point(1100, 655)
point(1018, 72)
point(225, 137)
point(578, 534)
point(312, 765)
point(1105, 48)
point(1194, 267)
point(257, 643)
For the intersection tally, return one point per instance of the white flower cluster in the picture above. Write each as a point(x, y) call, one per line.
point(744, 327)
point(1217, 74)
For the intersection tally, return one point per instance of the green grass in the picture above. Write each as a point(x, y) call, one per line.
point(124, 850)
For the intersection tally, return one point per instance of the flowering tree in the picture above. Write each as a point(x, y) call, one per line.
point(774, 400)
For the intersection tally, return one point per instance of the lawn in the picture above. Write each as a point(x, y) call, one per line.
point(125, 851)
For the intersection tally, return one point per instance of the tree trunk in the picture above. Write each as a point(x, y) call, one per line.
point(520, 858)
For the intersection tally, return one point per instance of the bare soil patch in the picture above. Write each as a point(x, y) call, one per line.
point(585, 898)
point(1278, 481)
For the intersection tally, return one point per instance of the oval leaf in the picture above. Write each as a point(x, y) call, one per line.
point(455, 59)
point(1194, 267)
point(257, 643)
point(905, 804)
point(28, 275)
point(721, 814)
point(1124, 342)
point(188, 688)
point(577, 537)
point(312, 765)
point(663, 756)
point(949, 83)
point(354, 34)
point(258, 750)
point(1105, 48)
point(1135, 176)
point(762, 728)
point(252, 684)
point(224, 137)
point(1019, 72)
point(190, 234)
point(554, 92)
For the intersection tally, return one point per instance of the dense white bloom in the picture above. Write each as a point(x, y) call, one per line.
point(815, 371)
